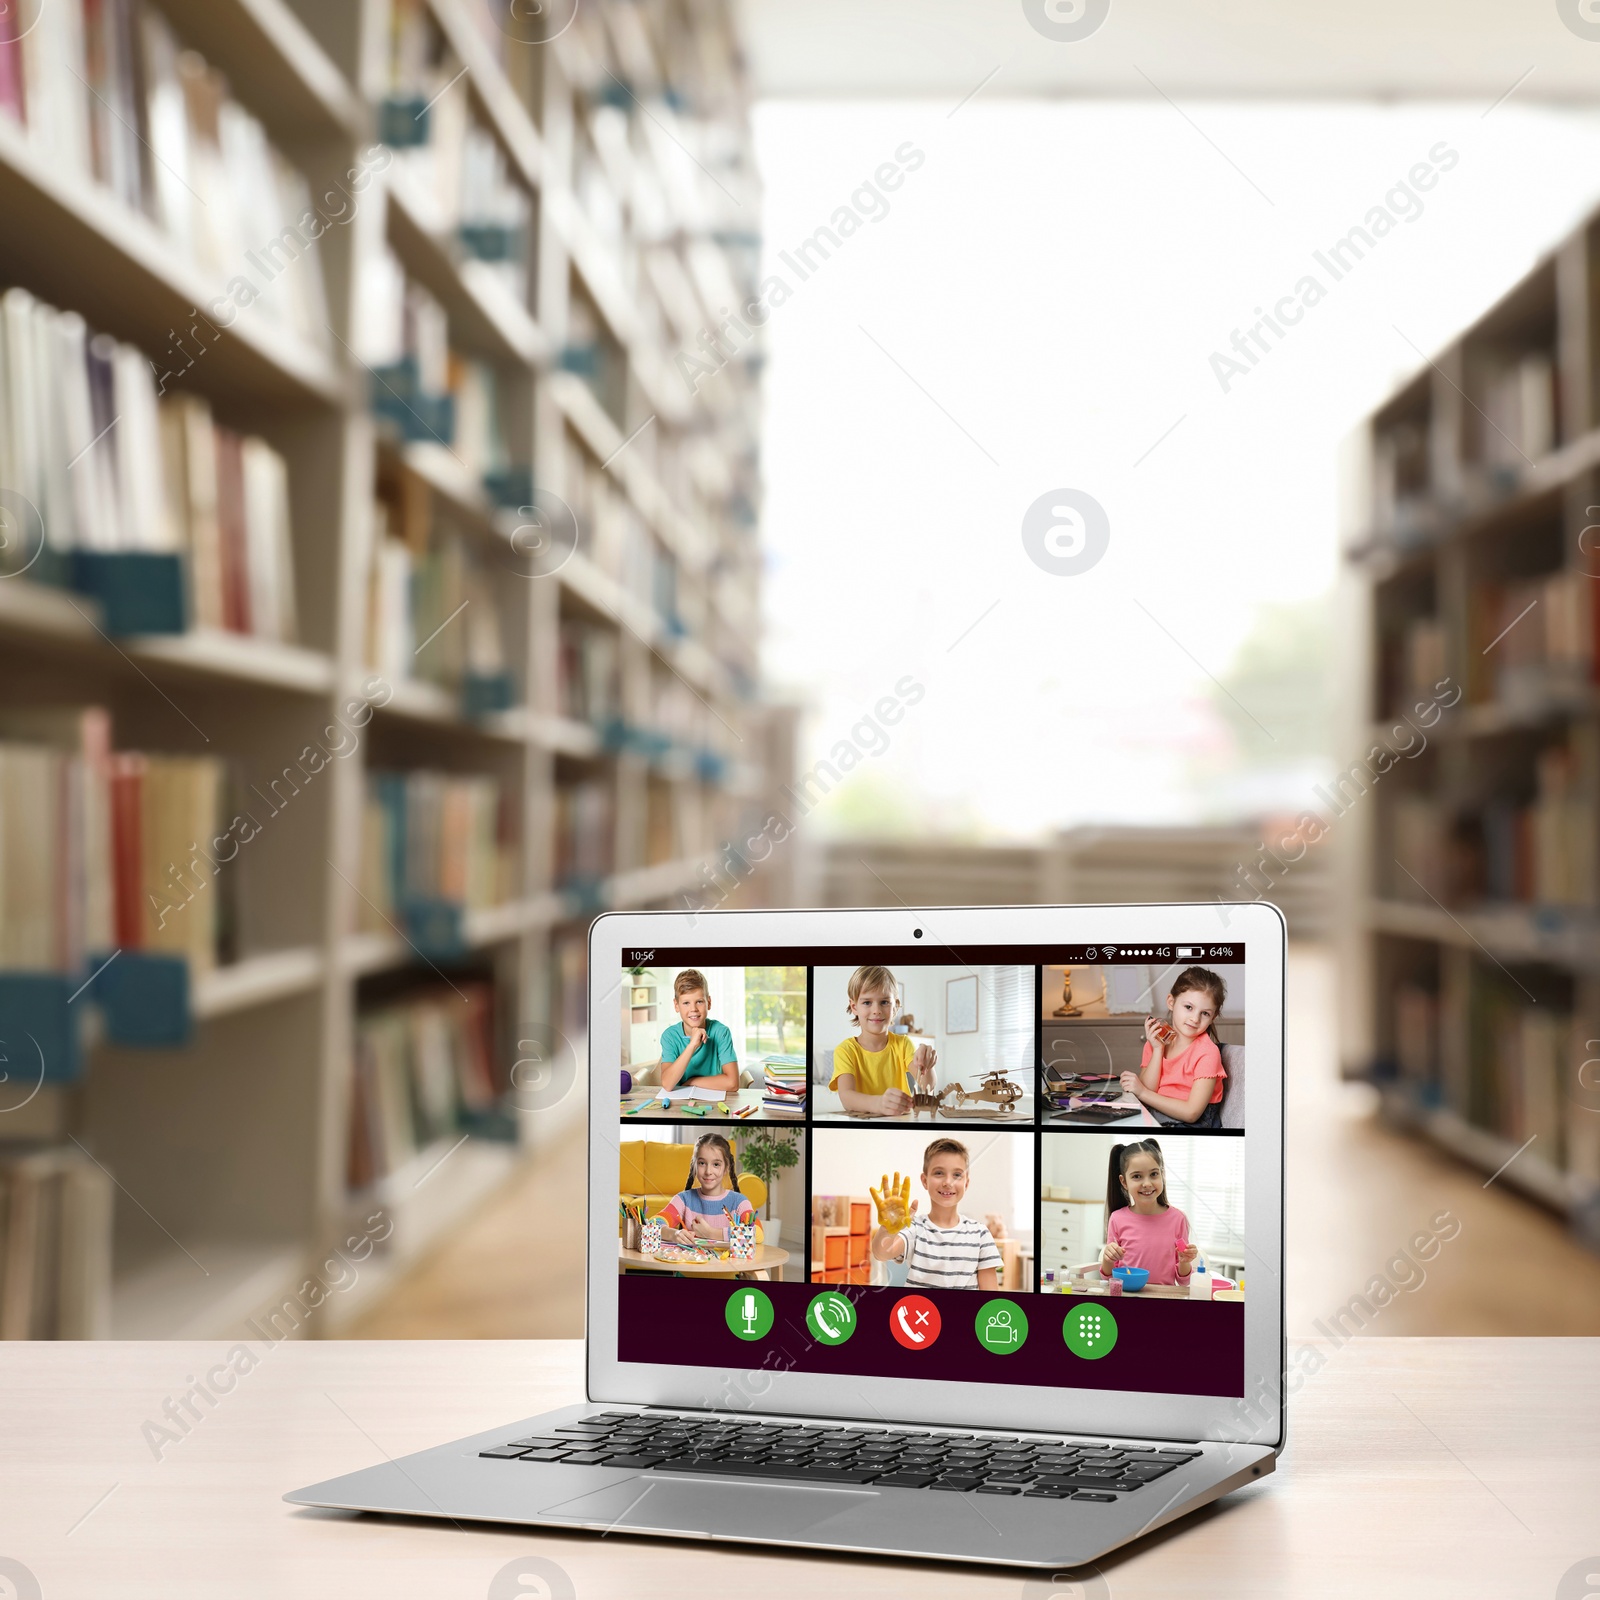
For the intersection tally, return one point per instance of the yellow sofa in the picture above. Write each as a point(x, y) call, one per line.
point(654, 1172)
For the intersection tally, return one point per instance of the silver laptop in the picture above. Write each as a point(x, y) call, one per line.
point(949, 1234)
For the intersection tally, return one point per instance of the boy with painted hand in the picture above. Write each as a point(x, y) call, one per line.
point(943, 1249)
point(697, 1048)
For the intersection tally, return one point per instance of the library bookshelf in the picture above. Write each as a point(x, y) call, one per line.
point(542, 225)
point(1476, 547)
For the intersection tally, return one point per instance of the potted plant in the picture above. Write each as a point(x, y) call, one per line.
point(766, 1153)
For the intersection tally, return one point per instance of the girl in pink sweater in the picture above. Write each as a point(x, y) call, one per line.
point(1142, 1230)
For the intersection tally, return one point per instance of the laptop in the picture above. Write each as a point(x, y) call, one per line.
point(857, 1283)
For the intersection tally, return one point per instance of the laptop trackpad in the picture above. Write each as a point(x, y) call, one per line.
point(711, 1505)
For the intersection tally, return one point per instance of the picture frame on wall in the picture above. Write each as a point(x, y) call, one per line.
point(961, 1005)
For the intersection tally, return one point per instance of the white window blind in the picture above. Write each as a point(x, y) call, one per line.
point(1005, 1020)
point(1205, 1180)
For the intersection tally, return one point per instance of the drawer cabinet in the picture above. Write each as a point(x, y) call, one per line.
point(1071, 1232)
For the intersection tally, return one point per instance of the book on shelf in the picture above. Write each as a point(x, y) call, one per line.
point(391, 635)
point(1541, 851)
point(107, 466)
point(480, 422)
point(55, 1244)
point(584, 832)
point(1413, 665)
point(445, 154)
point(1416, 1034)
point(1400, 474)
point(1419, 833)
point(454, 611)
point(432, 836)
point(165, 810)
point(660, 823)
point(1533, 641)
point(103, 849)
point(107, 92)
point(569, 982)
point(402, 333)
point(1517, 420)
point(1520, 1057)
point(1544, 852)
point(589, 672)
point(423, 1067)
point(228, 500)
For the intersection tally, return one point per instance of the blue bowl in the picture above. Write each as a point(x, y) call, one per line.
point(1132, 1279)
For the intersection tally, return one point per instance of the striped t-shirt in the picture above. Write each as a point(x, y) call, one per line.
point(678, 1209)
point(948, 1258)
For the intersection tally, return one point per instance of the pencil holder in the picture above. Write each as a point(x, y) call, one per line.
point(631, 1232)
point(652, 1236)
point(742, 1240)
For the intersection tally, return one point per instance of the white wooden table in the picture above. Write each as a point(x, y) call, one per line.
point(1424, 1468)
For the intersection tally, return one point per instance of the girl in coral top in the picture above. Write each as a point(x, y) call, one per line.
point(1180, 1074)
point(1142, 1229)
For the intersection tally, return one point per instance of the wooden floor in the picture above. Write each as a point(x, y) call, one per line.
point(1357, 1194)
point(515, 1271)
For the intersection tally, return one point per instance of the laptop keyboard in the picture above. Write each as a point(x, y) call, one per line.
point(1049, 1469)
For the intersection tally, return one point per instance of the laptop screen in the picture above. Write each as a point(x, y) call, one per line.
point(1023, 1168)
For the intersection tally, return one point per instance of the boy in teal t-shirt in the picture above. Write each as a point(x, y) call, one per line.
point(697, 1048)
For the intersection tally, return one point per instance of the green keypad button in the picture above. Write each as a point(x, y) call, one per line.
point(1090, 1331)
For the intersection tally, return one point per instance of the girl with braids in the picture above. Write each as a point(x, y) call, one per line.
point(708, 1210)
point(1142, 1229)
point(1180, 1076)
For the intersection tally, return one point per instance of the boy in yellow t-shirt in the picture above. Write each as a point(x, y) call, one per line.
point(870, 1070)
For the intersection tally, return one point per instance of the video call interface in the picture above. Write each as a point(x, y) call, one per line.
point(1025, 1166)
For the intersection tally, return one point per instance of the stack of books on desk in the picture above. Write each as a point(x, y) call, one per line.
point(786, 1087)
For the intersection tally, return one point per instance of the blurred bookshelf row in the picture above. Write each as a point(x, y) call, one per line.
point(377, 604)
point(1477, 546)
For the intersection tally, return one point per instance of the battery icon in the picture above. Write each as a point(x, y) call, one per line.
point(1190, 952)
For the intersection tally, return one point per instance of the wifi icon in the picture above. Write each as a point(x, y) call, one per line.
point(1110, 949)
